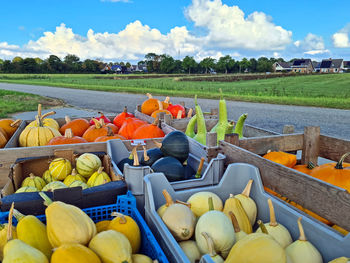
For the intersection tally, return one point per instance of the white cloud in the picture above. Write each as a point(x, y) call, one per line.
point(341, 38)
point(311, 45)
point(317, 52)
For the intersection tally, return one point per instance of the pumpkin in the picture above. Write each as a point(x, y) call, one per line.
point(304, 168)
point(129, 126)
point(102, 225)
point(166, 103)
point(71, 253)
point(27, 189)
point(171, 167)
point(175, 144)
point(110, 136)
point(68, 138)
point(78, 183)
point(283, 158)
point(9, 126)
point(46, 122)
point(150, 105)
point(87, 164)
point(175, 111)
point(160, 109)
point(34, 181)
point(114, 128)
point(150, 156)
point(47, 177)
point(3, 138)
point(78, 126)
point(97, 130)
point(74, 176)
point(98, 178)
point(38, 135)
point(120, 118)
point(102, 117)
point(60, 168)
point(148, 131)
point(337, 174)
point(50, 187)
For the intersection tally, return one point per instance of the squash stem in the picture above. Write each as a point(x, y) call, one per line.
point(31, 175)
point(262, 227)
point(100, 170)
point(125, 109)
point(67, 119)
point(169, 201)
point(18, 215)
point(210, 203)
point(210, 244)
point(47, 200)
point(183, 203)
point(121, 216)
point(160, 105)
point(179, 114)
point(47, 114)
point(273, 221)
point(310, 165)
point(15, 123)
point(145, 156)
point(39, 111)
point(200, 168)
point(74, 172)
point(302, 236)
point(149, 95)
point(234, 222)
point(190, 112)
point(9, 229)
point(97, 123)
point(68, 133)
point(167, 99)
point(158, 144)
point(109, 131)
point(339, 164)
point(247, 188)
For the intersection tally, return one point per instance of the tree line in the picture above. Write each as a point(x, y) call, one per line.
point(155, 64)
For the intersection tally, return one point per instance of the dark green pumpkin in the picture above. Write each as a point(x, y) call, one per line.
point(190, 173)
point(176, 145)
point(171, 167)
point(154, 154)
point(120, 165)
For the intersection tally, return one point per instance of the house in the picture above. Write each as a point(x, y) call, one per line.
point(346, 66)
point(332, 65)
point(106, 68)
point(138, 68)
point(316, 66)
point(281, 66)
point(302, 66)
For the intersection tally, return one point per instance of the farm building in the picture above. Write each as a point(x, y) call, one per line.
point(302, 66)
point(332, 66)
point(281, 67)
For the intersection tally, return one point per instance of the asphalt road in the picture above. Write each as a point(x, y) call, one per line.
point(273, 117)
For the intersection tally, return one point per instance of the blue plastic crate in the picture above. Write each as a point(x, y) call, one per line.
point(126, 204)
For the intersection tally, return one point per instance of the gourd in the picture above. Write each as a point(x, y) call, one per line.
point(212, 253)
point(150, 105)
point(102, 225)
point(33, 232)
point(239, 125)
point(305, 168)
point(150, 156)
point(191, 250)
point(98, 178)
point(9, 126)
point(67, 223)
point(50, 187)
point(199, 202)
point(114, 128)
point(120, 118)
point(180, 221)
point(78, 126)
point(166, 103)
point(97, 130)
point(201, 127)
point(87, 164)
point(74, 253)
point(283, 158)
point(46, 122)
point(3, 237)
point(276, 230)
point(127, 226)
point(102, 117)
point(148, 131)
point(234, 205)
point(38, 135)
point(79, 183)
point(171, 167)
point(302, 250)
point(68, 138)
point(3, 138)
point(175, 144)
point(160, 110)
point(219, 227)
point(26, 189)
point(340, 260)
point(168, 201)
point(177, 110)
point(139, 258)
point(104, 244)
point(239, 234)
point(60, 168)
point(248, 203)
point(129, 126)
point(34, 181)
point(334, 173)
point(47, 177)
point(74, 176)
point(110, 136)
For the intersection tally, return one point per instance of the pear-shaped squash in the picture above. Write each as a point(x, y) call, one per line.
point(139, 258)
point(33, 232)
point(60, 168)
point(340, 260)
point(74, 253)
point(191, 250)
point(98, 178)
point(127, 226)
point(67, 223)
point(169, 201)
point(102, 225)
point(199, 202)
point(212, 253)
point(78, 183)
point(74, 176)
point(3, 237)
point(104, 244)
point(239, 234)
point(26, 189)
point(34, 181)
point(87, 164)
point(248, 203)
point(50, 187)
point(47, 177)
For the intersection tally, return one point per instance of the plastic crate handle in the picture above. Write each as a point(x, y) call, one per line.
point(127, 199)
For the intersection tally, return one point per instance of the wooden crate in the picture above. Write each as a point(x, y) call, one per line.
point(326, 200)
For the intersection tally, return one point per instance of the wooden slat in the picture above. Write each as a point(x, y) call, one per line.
point(311, 145)
point(324, 199)
point(260, 145)
point(333, 148)
point(253, 131)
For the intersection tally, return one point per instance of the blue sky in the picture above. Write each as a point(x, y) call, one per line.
point(127, 30)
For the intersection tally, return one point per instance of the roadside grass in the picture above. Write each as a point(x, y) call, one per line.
point(12, 101)
point(327, 90)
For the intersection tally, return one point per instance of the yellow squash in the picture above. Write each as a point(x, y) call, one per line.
point(34, 181)
point(139, 258)
point(127, 226)
point(74, 253)
point(87, 164)
point(3, 237)
point(26, 189)
point(67, 223)
point(47, 122)
point(212, 253)
point(98, 178)
point(199, 202)
point(102, 225)
point(50, 187)
point(104, 244)
point(47, 177)
point(74, 176)
point(79, 183)
point(168, 201)
point(239, 234)
point(191, 250)
point(60, 168)
point(340, 260)
point(248, 203)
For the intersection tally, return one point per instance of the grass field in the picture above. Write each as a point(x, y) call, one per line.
point(328, 90)
point(12, 101)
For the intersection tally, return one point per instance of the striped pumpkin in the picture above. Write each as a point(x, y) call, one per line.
point(60, 168)
point(73, 177)
point(98, 178)
point(87, 164)
point(47, 122)
point(34, 181)
point(37, 136)
point(53, 186)
point(47, 177)
point(78, 183)
point(26, 189)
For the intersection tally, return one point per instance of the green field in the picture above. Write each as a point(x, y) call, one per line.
point(12, 101)
point(328, 90)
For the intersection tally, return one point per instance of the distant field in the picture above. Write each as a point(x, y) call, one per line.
point(332, 90)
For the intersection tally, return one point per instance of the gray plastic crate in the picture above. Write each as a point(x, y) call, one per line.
point(211, 173)
point(330, 243)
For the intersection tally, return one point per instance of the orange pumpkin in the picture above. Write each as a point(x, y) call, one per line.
point(110, 136)
point(149, 131)
point(3, 138)
point(9, 126)
point(337, 174)
point(120, 118)
point(160, 105)
point(68, 138)
point(283, 158)
point(304, 168)
point(150, 105)
point(114, 128)
point(166, 103)
point(95, 131)
point(78, 126)
point(129, 126)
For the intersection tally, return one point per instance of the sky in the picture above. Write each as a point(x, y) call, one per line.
point(126, 30)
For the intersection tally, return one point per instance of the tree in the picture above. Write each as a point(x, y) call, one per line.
point(207, 63)
point(225, 64)
point(38, 61)
point(128, 64)
point(72, 63)
point(29, 65)
point(188, 63)
point(54, 64)
point(91, 66)
point(264, 65)
point(17, 59)
point(153, 62)
point(167, 65)
point(7, 67)
point(244, 64)
point(253, 65)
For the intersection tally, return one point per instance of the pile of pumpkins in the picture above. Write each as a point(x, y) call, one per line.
point(7, 128)
point(70, 235)
point(204, 224)
point(46, 131)
point(88, 173)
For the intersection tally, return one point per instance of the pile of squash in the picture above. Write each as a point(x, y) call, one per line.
point(46, 131)
point(7, 128)
point(88, 173)
point(70, 235)
point(204, 224)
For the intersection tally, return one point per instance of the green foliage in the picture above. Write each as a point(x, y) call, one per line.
point(188, 64)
